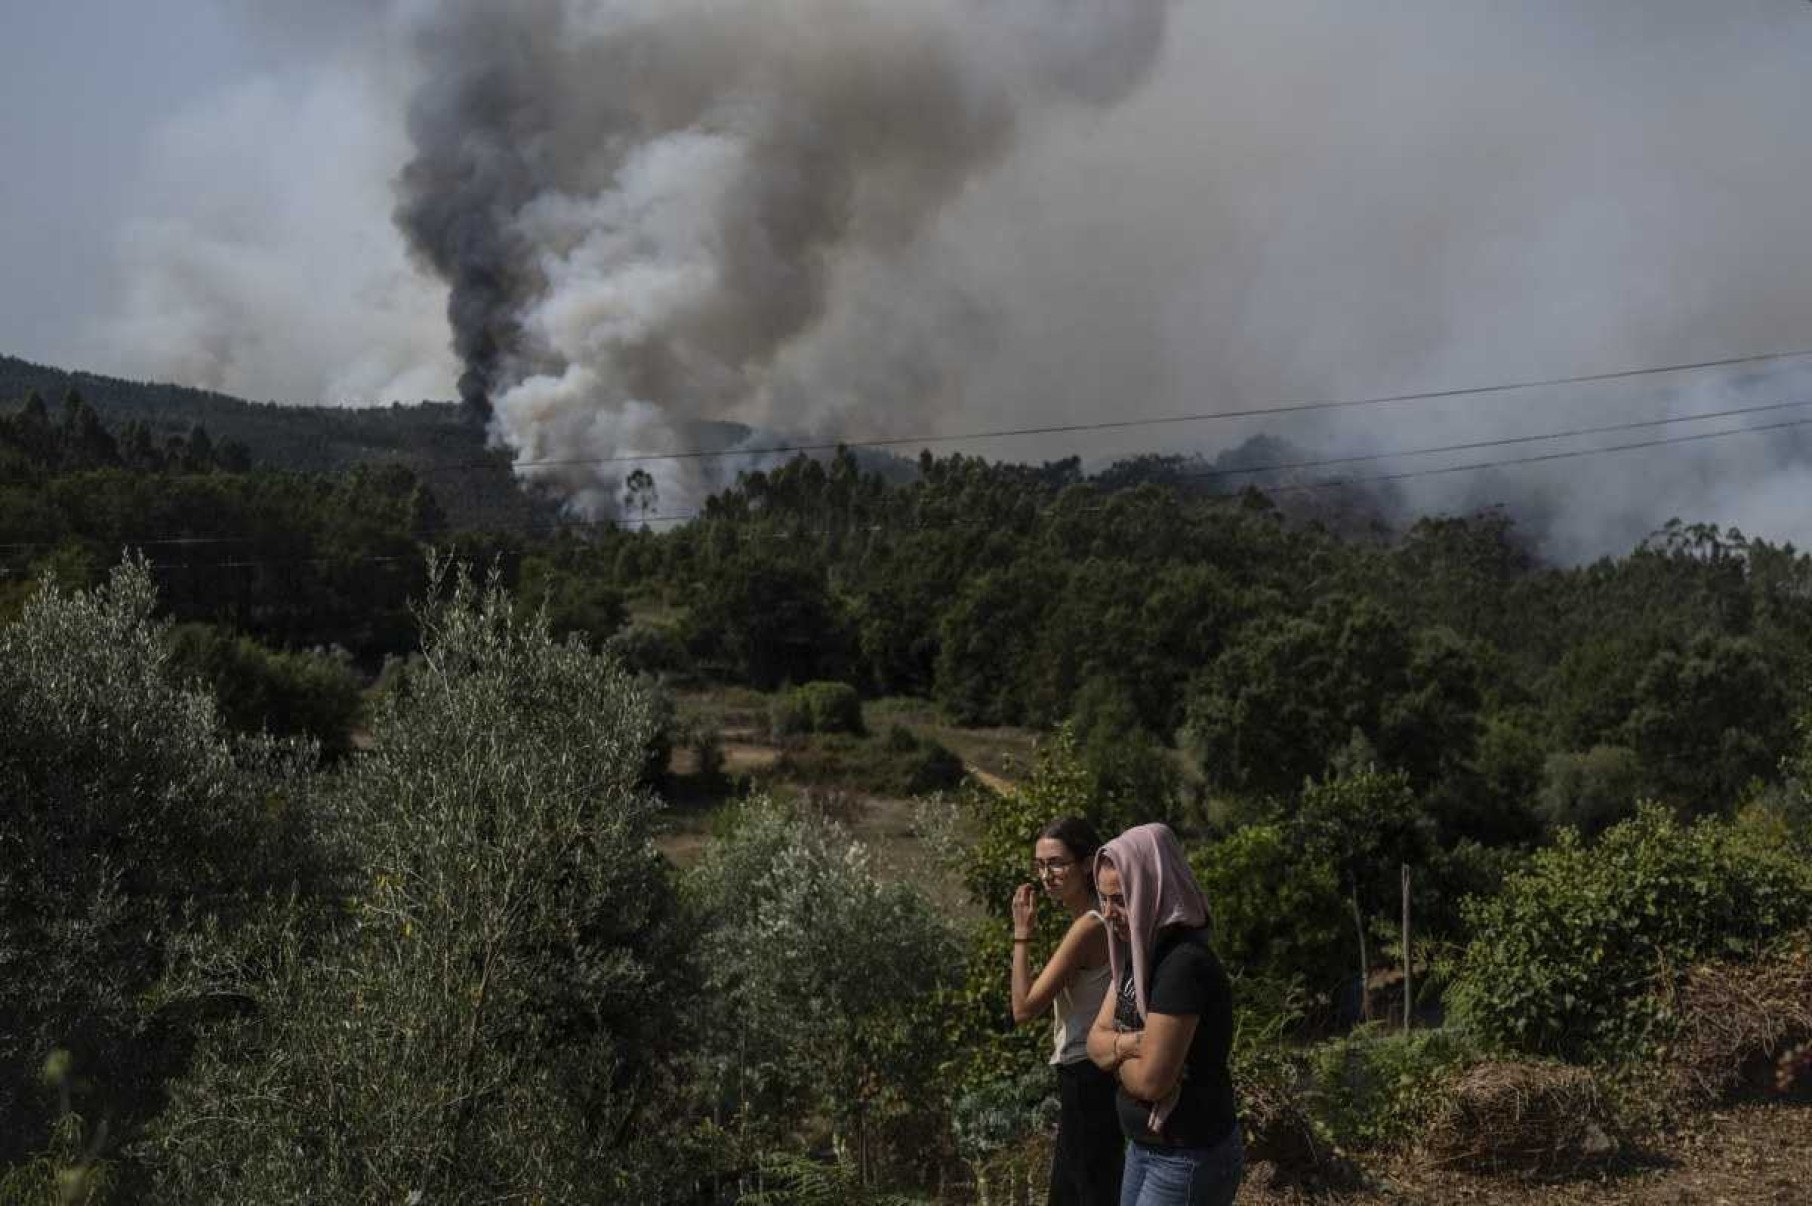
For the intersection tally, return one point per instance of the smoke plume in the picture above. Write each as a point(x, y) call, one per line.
point(640, 206)
point(862, 219)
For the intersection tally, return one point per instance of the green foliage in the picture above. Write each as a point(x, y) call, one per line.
point(1567, 958)
point(489, 1013)
point(650, 649)
point(1708, 718)
point(1129, 765)
point(1506, 777)
point(129, 817)
point(1288, 695)
point(994, 1115)
point(999, 858)
point(901, 763)
point(1377, 1088)
point(823, 984)
point(578, 599)
point(313, 562)
point(1591, 791)
point(1792, 801)
point(788, 1179)
point(1365, 825)
point(262, 690)
point(1277, 913)
point(818, 707)
point(767, 622)
point(68, 1172)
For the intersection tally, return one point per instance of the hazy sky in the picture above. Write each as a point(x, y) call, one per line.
point(86, 83)
point(1286, 199)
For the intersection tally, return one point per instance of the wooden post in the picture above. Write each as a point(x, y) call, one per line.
point(1365, 971)
point(1409, 986)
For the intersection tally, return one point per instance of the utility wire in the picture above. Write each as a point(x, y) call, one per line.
point(1127, 424)
point(1284, 488)
point(1540, 457)
point(1244, 470)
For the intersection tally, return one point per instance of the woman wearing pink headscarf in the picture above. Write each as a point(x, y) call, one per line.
point(1166, 1031)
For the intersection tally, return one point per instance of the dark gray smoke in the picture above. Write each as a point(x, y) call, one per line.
point(639, 206)
point(856, 219)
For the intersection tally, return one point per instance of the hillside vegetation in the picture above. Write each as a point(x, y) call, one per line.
point(333, 867)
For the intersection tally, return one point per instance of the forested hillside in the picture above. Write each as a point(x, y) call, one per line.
point(331, 874)
point(474, 484)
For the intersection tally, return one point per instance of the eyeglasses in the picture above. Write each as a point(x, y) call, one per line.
point(1051, 866)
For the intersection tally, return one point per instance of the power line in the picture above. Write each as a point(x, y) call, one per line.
point(1540, 457)
point(1505, 441)
point(1330, 484)
point(1244, 470)
point(1128, 424)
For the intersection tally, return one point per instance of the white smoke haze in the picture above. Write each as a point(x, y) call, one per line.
point(649, 205)
point(856, 219)
point(261, 262)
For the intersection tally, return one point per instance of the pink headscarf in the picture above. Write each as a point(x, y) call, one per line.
point(1160, 890)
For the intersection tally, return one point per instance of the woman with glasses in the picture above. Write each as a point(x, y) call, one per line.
point(1086, 1162)
point(1166, 1031)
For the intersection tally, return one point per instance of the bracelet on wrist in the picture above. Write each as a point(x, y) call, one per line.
point(1018, 939)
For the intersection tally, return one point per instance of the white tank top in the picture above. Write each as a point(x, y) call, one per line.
point(1074, 1009)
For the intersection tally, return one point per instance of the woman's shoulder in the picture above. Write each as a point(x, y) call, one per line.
point(1089, 932)
point(1087, 927)
point(1191, 948)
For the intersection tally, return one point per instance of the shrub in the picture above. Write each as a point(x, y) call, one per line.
point(262, 690)
point(1003, 1129)
point(823, 984)
point(1127, 763)
point(1276, 912)
point(1567, 958)
point(901, 764)
point(1590, 791)
point(1376, 1089)
point(930, 766)
point(818, 707)
point(650, 649)
point(129, 817)
point(498, 995)
point(789, 1179)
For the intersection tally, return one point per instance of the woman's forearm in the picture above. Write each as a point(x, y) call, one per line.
point(1136, 1078)
point(1022, 981)
point(1111, 1049)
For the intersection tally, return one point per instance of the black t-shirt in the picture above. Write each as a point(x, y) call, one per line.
point(1186, 978)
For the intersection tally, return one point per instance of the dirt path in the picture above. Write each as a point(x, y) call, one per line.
point(989, 779)
point(1759, 1154)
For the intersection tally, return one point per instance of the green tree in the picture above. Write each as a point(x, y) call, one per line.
point(1566, 960)
point(262, 690)
point(1590, 791)
point(1708, 719)
point(823, 984)
point(768, 622)
point(130, 820)
point(494, 1013)
point(1277, 913)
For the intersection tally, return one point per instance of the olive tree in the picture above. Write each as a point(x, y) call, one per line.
point(130, 819)
point(824, 985)
point(487, 1020)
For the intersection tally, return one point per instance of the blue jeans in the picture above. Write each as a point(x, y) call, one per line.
point(1184, 1176)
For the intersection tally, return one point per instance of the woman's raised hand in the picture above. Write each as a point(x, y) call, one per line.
point(1025, 909)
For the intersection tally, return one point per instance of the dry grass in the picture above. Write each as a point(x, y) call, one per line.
point(1515, 1117)
point(1742, 1026)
